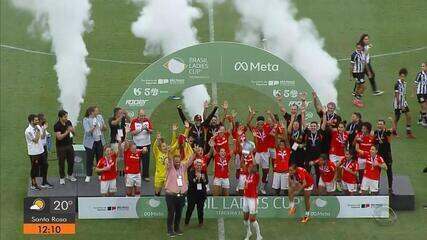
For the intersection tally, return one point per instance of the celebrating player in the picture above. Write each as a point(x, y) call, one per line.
point(239, 137)
point(349, 168)
point(327, 168)
point(132, 169)
point(221, 183)
point(107, 168)
point(262, 157)
point(382, 140)
point(339, 141)
point(372, 173)
point(281, 166)
point(300, 179)
point(160, 153)
point(250, 202)
point(363, 141)
point(400, 104)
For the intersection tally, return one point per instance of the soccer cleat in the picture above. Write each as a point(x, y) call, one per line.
point(305, 219)
point(87, 179)
point(259, 238)
point(377, 93)
point(71, 178)
point(357, 102)
point(171, 235)
point(62, 181)
point(292, 211)
point(179, 232)
point(35, 188)
point(424, 124)
point(46, 185)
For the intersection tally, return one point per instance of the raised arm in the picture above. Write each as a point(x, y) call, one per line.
point(224, 109)
point(317, 103)
point(323, 126)
point(250, 117)
point(181, 113)
point(209, 118)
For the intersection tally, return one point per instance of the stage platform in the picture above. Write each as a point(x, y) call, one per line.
point(404, 198)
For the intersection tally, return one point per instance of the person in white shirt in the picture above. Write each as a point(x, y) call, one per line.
point(43, 165)
point(33, 134)
point(141, 128)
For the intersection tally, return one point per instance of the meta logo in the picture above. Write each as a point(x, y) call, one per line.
point(255, 67)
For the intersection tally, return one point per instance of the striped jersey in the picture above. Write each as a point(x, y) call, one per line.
point(400, 94)
point(421, 82)
point(358, 61)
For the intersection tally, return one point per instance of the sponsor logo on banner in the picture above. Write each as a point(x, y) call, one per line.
point(136, 102)
point(231, 207)
point(175, 65)
point(146, 91)
point(244, 66)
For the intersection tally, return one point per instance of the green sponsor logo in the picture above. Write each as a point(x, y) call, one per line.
point(223, 62)
point(231, 207)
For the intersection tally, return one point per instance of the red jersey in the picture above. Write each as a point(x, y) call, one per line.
point(239, 139)
point(222, 142)
point(338, 143)
point(261, 138)
point(132, 161)
point(365, 142)
point(246, 160)
point(301, 174)
point(251, 185)
point(327, 171)
point(281, 162)
point(371, 171)
point(349, 165)
point(271, 139)
point(221, 166)
point(112, 163)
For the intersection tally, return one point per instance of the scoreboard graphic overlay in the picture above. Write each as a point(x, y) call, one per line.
point(49, 215)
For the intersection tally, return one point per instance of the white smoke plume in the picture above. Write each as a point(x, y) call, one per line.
point(166, 25)
point(194, 97)
point(274, 24)
point(64, 22)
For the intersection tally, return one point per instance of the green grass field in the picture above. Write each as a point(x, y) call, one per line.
point(28, 85)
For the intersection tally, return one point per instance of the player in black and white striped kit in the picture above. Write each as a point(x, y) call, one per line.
point(400, 104)
point(421, 90)
point(364, 41)
point(357, 71)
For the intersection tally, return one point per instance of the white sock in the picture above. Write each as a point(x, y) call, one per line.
point(307, 213)
point(248, 228)
point(256, 227)
point(292, 204)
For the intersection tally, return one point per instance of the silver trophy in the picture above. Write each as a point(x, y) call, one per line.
point(247, 147)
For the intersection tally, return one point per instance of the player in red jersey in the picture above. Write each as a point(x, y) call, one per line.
point(349, 168)
point(281, 165)
point(205, 158)
point(372, 173)
point(221, 182)
point(220, 139)
point(132, 169)
point(260, 132)
point(239, 137)
point(364, 141)
point(327, 170)
point(107, 168)
point(339, 141)
point(300, 179)
point(250, 202)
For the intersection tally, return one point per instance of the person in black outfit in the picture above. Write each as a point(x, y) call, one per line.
point(64, 146)
point(117, 125)
point(197, 129)
point(44, 157)
point(313, 139)
point(353, 128)
point(196, 195)
point(382, 140)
